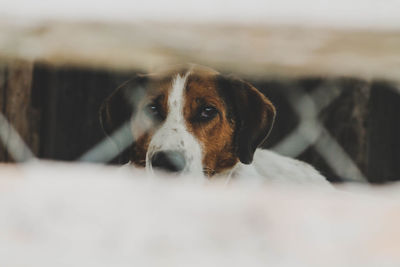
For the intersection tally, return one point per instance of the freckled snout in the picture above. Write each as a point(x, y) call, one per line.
point(168, 160)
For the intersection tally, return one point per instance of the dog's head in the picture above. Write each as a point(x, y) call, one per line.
point(190, 120)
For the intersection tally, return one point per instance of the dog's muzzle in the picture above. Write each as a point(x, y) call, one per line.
point(168, 160)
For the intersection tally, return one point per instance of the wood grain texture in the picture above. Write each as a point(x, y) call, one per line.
point(251, 50)
point(16, 105)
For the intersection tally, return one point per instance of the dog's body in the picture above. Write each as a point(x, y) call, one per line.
point(272, 167)
point(195, 121)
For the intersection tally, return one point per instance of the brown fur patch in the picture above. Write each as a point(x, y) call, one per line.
point(215, 136)
point(139, 150)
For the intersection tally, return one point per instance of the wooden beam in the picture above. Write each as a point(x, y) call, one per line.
point(253, 50)
point(16, 106)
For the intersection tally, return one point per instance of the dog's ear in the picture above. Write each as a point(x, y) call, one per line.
point(116, 111)
point(253, 115)
point(118, 107)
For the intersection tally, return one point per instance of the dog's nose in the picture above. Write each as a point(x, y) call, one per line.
point(171, 161)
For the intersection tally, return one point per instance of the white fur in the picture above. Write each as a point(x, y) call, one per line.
point(173, 134)
point(272, 167)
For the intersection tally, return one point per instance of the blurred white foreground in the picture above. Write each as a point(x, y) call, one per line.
point(54, 214)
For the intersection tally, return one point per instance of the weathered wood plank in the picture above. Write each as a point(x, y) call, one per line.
point(253, 50)
point(17, 108)
point(384, 135)
point(3, 85)
point(70, 99)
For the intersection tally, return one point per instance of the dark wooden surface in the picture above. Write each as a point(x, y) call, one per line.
point(70, 99)
point(363, 118)
point(383, 157)
point(16, 105)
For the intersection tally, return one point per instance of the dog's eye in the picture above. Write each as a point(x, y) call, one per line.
point(153, 110)
point(207, 113)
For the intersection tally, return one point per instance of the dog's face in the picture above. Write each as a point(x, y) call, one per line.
point(192, 120)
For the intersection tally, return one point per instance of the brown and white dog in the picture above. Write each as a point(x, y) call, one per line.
point(193, 120)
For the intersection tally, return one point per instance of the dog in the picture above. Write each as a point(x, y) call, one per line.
point(191, 120)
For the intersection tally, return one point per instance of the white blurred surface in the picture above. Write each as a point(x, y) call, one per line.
point(356, 13)
point(56, 214)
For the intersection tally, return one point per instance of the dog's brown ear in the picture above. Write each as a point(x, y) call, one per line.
point(252, 113)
